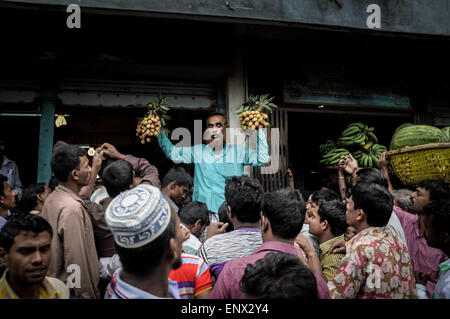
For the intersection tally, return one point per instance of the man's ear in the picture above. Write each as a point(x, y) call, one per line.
point(172, 185)
point(324, 224)
point(265, 224)
point(74, 175)
point(197, 225)
point(40, 197)
point(229, 212)
point(3, 256)
point(361, 215)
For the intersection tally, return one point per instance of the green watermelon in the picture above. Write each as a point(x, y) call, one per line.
point(412, 135)
point(446, 134)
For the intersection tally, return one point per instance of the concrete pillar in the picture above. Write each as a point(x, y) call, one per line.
point(237, 93)
point(46, 135)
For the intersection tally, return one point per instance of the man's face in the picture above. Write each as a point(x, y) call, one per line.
point(180, 193)
point(420, 198)
point(28, 257)
point(84, 172)
point(215, 129)
point(351, 213)
point(315, 226)
point(8, 200)
point(310, 206)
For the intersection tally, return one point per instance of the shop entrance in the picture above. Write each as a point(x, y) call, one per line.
point(309, 130)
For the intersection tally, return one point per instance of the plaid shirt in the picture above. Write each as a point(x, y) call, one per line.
point(329, 262)
point(51, 288)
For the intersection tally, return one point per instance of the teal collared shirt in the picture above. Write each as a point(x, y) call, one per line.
point(211, 170)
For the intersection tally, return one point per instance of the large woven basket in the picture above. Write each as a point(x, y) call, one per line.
point(414, 164)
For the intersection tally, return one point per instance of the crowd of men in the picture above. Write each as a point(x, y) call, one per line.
point(108, 227)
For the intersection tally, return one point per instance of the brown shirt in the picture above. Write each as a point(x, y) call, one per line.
point(104, 240)
point(72, 242)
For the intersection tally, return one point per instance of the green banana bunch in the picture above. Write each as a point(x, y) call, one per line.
point(370, 158)
point(327, 147)
point(357, 134)
point(333, 157)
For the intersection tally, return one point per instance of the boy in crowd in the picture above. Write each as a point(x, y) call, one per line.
point(194, 216)
point(377, 263)
point(25, 249)
point(281, 221)
point(328, 224)
point(175, 187)
point(243, 195)
point(321, 196)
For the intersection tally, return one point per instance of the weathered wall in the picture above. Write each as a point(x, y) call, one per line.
point(408, 16)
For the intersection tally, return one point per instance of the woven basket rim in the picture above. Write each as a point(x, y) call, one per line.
point(408, 149)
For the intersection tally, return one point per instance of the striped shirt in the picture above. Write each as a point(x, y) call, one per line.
point(329, 262)
point(119, 289)
point(219, 249)
point(192, 277)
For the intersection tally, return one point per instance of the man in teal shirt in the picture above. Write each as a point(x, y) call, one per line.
point(216, 160)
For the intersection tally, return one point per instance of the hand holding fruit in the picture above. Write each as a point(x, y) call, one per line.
point(154, 122)
point(111, 151)
point(348, 163)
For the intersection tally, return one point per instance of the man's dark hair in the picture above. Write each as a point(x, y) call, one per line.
point(194, 211)
point(211, 114)
point(143, 260)
point(437, 189)
point(223, 216)
point(279, 276)
point(440, 210)
point(376, 202)
point(117, 177)
point(179, 176)
point(3, 178)
point(334, 212)
point(291, 194)
point(372, 176)
point(285, 216)
point(324, 195)
point(29, 196)
point(53, 182)
point(244, 195)
point(65, 159)
point(19, 223)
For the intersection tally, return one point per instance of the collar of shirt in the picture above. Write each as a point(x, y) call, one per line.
point(124, 290)
point(46, 290)
point(61, 188)
point(276, 246)
point(171, 202)
point(325, 246)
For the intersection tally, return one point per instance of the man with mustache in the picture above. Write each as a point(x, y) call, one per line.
point(25, 249)
point(73, 243)
point(216, 160)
